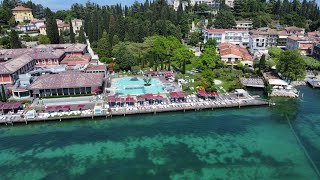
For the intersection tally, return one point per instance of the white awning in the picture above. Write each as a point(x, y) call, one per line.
point(277, 82)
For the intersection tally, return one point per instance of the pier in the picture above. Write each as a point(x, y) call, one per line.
point(252, 82)
point(132, 110)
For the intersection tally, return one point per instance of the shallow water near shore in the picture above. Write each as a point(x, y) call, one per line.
point(246, 143)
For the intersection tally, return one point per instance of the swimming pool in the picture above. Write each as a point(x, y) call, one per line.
point(135, 86)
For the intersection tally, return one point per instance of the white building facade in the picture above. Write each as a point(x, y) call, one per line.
point(234, 36)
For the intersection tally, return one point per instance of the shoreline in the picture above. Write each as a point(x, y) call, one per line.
point(152, 109)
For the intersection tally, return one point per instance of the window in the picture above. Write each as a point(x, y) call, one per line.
point(229, 59)
point(236, 59)
point(50, 61)
point(37, 61)
point(43, 61)
point(56, 61)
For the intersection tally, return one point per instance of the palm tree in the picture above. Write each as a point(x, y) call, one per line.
point(147, 81)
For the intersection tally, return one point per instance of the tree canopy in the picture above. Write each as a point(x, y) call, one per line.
point(291, 65)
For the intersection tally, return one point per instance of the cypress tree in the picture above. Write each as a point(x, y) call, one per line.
point(4, 98)
point(14, 40)
point(61, 37)
point(52, 27)
point(72, 35)
point(82, 38)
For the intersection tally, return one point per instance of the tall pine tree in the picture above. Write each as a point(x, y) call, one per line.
point(72, 35)
point(82, 38)
point(52, 27)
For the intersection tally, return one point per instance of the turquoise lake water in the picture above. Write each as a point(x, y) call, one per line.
point(246, 143)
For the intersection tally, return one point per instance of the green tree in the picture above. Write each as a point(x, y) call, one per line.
point(291, 65)
point(103, 46)
point(194, 38)
point(61, 37)
point(43, 39)
point(180, 56)
point(115, 40)
point(224, 19)
point(14, 40)
point(211, 43)
point(3, 92)
point(124, 57)
point(12, 22)
point(52, 27)
point(262, 63)
point(82, 37)
point(72, 35)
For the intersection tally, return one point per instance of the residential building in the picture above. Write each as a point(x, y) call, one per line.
point(233, 54)
point(229, 3)
point(61, 27)
point(38, 22)
point(215, 4)
point(22, 14)
point(47, 56)
point(282, 39)
point(176, 4)
point(244, 25)
point(73, 60)
point(303, 44)
point(76, 25)
point(66, 84)
point(27, 28)
point(262, 38)
point(293, 30)
point(316, 50)
point(234, 36)
point(14, 62)
point(11, 69)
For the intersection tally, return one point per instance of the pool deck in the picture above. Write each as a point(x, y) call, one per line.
point(161, 79)
point(141, 109)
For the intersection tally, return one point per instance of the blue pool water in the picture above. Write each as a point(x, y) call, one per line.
point(127, 86)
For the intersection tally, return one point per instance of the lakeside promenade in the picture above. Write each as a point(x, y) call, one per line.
point(138, 109)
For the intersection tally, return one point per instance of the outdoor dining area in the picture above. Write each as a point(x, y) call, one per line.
point(10, 107)
point(205, 95)
point(132, 100)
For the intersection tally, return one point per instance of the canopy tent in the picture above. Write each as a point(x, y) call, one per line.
point(202, 93)
point(80, 106)
point(174, 95)
point(149, 96)
point(182, 94)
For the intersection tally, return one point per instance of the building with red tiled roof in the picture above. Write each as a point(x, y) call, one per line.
point(232, 54)
point(66, 84)
point(304, 44)
point(73, 60)
point(21, 14)
point(294, 30)
point(234, 36)
point(19, 61)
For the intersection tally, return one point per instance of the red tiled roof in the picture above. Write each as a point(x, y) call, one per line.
point(21, 8)
point(149, 96)
point(67, 80)
point(229, 48)
point(101, 67)
point(72, 60)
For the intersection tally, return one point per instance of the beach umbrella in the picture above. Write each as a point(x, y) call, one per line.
point(58, 107)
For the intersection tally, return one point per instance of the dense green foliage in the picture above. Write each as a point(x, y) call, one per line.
point(224, 19)
point(43, 39)
point(311, 63)
point(51, 26)
point(291, 65)
point(288, 12)
point(14, 40)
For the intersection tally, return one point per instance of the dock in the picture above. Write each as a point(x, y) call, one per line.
point(252, 82)
point(132, 110)
point(314, 82)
